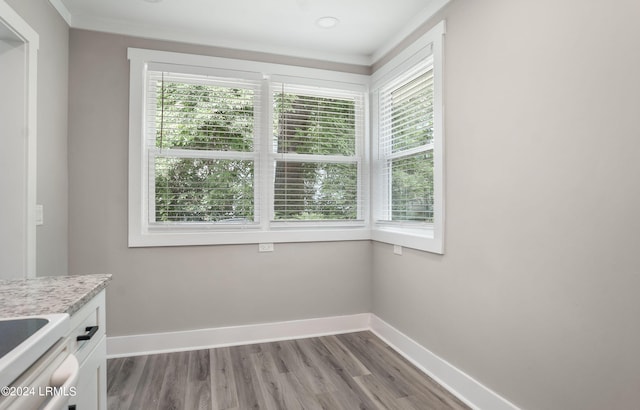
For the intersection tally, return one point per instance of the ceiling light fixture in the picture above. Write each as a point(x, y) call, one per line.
point(327, 22)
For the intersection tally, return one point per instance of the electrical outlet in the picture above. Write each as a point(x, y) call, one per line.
point(265, 247)
point(397, 249)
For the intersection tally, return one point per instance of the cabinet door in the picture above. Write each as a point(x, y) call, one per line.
point(91, 393)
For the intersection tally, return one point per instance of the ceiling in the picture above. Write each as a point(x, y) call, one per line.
point(367, 29)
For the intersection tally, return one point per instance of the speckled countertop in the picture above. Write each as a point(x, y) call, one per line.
point(48, 294)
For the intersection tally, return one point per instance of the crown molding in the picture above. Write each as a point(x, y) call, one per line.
point(62, 10)
point(429, 11)
point(87, 22)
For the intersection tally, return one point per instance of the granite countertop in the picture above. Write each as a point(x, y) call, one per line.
point(48, 294)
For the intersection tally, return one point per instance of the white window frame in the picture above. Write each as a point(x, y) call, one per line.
point(358, 158)
point(417, 236)
point(142, 234)
point(252, 81)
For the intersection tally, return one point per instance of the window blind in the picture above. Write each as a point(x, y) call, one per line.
point(226, 151)
point(317, 146)
point(406, 146)
point(201, 139)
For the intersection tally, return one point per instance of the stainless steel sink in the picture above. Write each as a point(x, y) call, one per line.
point(24, 339)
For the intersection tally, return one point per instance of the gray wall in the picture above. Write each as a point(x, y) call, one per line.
point(52, 191)
point(181, 288)
point(537, 294)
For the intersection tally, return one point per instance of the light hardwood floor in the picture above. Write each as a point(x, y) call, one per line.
point(349, 371)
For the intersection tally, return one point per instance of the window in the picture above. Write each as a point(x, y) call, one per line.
point(406, 147)
point(226, 151)
point(318, 161)
point(200, 142)
point(230, 151)
point(408, 157)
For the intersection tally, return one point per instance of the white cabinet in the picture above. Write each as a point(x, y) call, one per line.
point(91, 389)
point(89, 343)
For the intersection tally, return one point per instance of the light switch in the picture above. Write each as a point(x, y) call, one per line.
point(39, 214)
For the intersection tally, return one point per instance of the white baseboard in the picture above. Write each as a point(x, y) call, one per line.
point(466, 388)
point(123, 346)
point(456, 381)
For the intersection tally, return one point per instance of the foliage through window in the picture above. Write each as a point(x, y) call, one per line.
point(406, 147)
point(316, 171)
point(201, 139)
point(203, 142)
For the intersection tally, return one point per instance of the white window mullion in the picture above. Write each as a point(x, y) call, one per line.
point(186, 153)
point(333, 159)
point(439, 134)
point(151, 188)
point(360, 194)
point(361, 154)
point(265, 197)
point(387, 176)
point(148, 182)
point(410, 152)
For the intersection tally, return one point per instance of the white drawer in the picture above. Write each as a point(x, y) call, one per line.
point(88, 327)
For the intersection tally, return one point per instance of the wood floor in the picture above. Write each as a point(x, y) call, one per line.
point(349, 371)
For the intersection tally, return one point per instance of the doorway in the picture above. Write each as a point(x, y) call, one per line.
point(18, 60)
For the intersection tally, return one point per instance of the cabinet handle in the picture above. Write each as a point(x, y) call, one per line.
point(92, 331)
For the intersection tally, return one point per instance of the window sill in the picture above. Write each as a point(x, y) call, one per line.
point(414, 238)
point(427, 240)
point(244, 236)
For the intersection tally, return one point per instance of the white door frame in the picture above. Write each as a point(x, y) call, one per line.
point(13, 21)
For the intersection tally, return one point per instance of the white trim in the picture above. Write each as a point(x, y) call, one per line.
point(359, 81)
point(16, 23)
point(248, 236)
point(22, 29)
point(136, 150)
point(465, 387)
point(123, 346)
point(416, 51)
point(62, 10)
point(161, 33)
point(432, 8)
point(421, 239)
